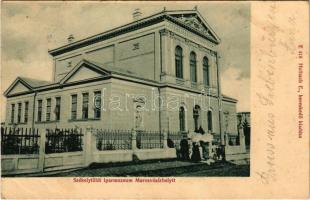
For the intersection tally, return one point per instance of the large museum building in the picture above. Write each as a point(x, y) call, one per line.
point(160, 72)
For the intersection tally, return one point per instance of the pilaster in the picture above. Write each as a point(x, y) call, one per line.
point(164, 51)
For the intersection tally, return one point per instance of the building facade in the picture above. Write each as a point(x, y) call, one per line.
point(161, 72)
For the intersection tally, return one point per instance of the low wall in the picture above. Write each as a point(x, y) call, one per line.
point(32, 163)
point(127, 155)
point(29, 163)
point(152, 154)
point(59, 161)
point(112, 156)
point(18, 164)
point(229, 150)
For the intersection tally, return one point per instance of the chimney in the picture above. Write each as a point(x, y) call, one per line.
point(70, 38)
point(136, 15)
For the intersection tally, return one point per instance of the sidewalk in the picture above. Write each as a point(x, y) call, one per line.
point(154, 168)
point(239, 159)
point(164, 168)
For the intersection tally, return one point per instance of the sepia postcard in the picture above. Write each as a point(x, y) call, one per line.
point(154, 100)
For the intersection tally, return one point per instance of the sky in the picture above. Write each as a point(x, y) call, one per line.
point(30, 29)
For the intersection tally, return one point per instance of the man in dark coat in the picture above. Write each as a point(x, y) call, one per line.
point(196, 153)
point(184, 149)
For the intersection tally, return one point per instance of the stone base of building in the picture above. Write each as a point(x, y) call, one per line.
point(152, 154)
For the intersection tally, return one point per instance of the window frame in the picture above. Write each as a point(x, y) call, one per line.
point(74, 106)
point(196, 116)
point(193, 67)
point(39, 111)
point(85, 105)
point(19, 112)
point(97, 110)
point(26, 111)
point(179, 62)
point(12, 112)
point(48, 109)
point(57, 108)
point(210, 120)
point(206, 71)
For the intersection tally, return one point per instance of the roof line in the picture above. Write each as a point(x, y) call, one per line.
point(147, 19)
point(227, 98)
point(113, 74)
point(14, 83)
point(94, 66)
point(110, 31)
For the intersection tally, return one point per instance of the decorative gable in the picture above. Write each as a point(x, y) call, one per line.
point(17, 87)
point(83, 71)
point(195, 21)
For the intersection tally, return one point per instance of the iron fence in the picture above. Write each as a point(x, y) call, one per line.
point(174, 139)
point(230, 139)
point(63, 140)
point(113, 139)
point(150, 139)
point(19, 141)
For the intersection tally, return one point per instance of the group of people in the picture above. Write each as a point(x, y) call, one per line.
point(198, 146)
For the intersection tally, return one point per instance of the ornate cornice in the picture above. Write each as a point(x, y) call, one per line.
point(106, 35)
point(164, 32)
point(187, 41)
point(151, 20)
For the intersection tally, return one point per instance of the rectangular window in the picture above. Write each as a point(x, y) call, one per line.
point(206, 78)
point(179, 72)
point(48, 109)
point(26, 112)
point(193, 73)
point(85, 106)
point(97, 104)
point(209, 120)
point(19, 113)
point(193, 67)
point(57, 108)
point(179, 62)
point(39, 110)
point(12, 112)
point(73, 106)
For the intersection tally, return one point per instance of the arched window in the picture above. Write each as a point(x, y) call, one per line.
point(182, 118)
point(196, 115)
point(206, 73)
point(178, 62)
point(193, 66)
point(209, 120)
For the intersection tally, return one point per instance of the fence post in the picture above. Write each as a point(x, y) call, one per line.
point(42, 149)
point(87, 139)
point(165, 134)
point(133, 139)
